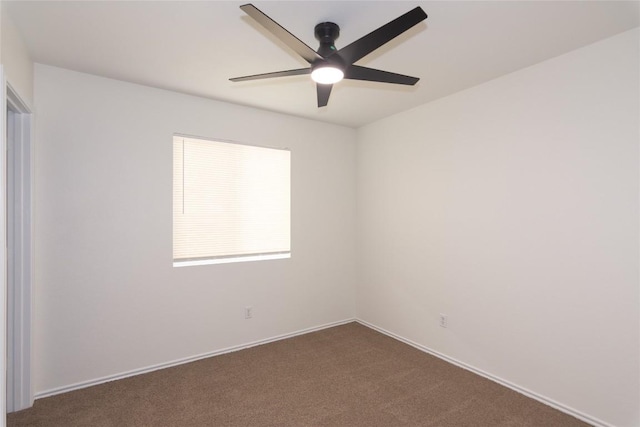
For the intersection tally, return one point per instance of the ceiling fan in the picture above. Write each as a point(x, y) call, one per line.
point(329, 65)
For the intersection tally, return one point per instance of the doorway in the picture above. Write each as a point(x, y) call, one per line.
point(19, 247)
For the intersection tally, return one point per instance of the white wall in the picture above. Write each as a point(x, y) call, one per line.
point(512, 207)
point(15, 58)
point(108, 300)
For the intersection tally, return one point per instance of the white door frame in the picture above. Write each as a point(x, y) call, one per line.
point(3, 251)
point(18, 191)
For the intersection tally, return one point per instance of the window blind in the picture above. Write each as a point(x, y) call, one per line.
point(229, 200)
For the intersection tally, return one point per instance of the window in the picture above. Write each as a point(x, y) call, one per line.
point(231, 202)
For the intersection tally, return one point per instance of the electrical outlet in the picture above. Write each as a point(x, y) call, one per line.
point(444, 322)
point(248, 312)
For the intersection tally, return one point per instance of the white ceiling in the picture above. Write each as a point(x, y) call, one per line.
point(196, 46)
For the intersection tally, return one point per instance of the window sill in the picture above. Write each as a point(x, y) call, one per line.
point(231, 259)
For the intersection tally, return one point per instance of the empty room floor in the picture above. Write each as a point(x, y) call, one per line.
point(348, 375)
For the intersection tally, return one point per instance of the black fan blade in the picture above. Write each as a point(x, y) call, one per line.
point(356, 72)
point(367, 44)
point(285, 36)
point(323, 94)
point(296, 72)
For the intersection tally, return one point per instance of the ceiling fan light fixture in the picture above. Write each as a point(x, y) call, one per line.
point(329, 64)
point(327, 75)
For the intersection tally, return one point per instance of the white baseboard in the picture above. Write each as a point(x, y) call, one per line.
point(547, 401)
point(85, 384)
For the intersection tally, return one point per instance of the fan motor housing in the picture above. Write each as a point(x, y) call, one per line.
point(326, 33)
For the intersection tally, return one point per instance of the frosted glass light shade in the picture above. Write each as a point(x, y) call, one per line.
point(327, 75)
